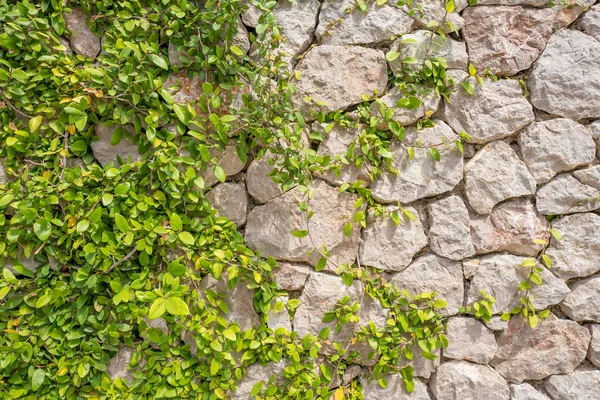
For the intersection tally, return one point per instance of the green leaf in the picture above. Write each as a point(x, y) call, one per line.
point(37, 380)
point(472, 70)
point(435, 154)
point(219, 173)
point(237, 51)
point(229, 334)
point(392, 55)
point(159, 61)
point(347, 229)
point(256, 388)
point(528, 262)
point(321, 264)
point(176, 306)
point(547, 261)
point(20, 75)
point(175, 222)
point(107, 199)
point(450, 6)
point(326, 372)
point(121, 222)
point(182, 113)
point(82, 226)
point(42, 229)
point(555, 234)
point(439, 303)
point(468, 87)
point(186, 238)
point(157, 309)
point(6, 199)
point(34, 123)
point(300, 233)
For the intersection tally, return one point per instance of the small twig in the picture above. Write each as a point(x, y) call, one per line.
point(121, 261)
point(15, 109)
point(64, 158)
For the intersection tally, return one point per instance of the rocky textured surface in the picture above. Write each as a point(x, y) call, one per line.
point(458, 380)
point(589, 176)
point(269, 227)
point(337, 76)
point(554, 146)
point(525, 391)
point(495, 174)
point(449, 232)
point(566, 195)
point(511, 226)
point(231, 201)
point(590, 22)
point(227, 159)
point(495, 110)
point(106, 153)
point(555, 346)
point(583, 303)
point(260, 185)
point(471, 340)
point(594, 350)
point(82, 40)
point(291, 277)
point(118, 366)
point(430, 272)
point(576, 94)
point(395, 390)
point(376, 25)
point(421, 176)
point(258, 373)
point(391, 247)
point(578, 385)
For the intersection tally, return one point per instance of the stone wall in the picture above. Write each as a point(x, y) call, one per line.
point(534, 152)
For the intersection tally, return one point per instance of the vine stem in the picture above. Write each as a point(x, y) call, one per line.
point(121, 261)
point(12, 107)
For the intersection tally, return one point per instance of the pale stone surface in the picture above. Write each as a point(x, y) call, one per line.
point(428, 12)
point(3, 175)
point(577, 253)
point(228, 159)
point(391, 247)
point(495, 174)
point(470, 267)
point(259, 184)
point(506, 39)
point(298, 20)
point(594, 350)
point(534, 3)
point(258, 373)
point(565, 195)
point(555, 346)
point(433, 273)
point(429, 98)
point(499, 275)
point(425, 44)
point(590, 22)
point(251, 15)
point(554, 146)
point(578, 385)
point(583, 303)
point(573, 95)
point(336, 144)
point(376, 25)
point(423, 367)
point(496, 323)
point(589, 176)
point(106, 153)
point(320, 295)
point(291, 277)
point(395, 389)
point(117, 367)
point(449, 232)
point(83, 41)
point(280, 319)
point(269, 227)
point(239, 300)
point(340, 75)
point(525, 391)
point(231, 201)
point(495, 110)
point(240, 38)
point(460, 380)
point(594, 128)
point(511, 226)
point(469, 339)
point(422, 176)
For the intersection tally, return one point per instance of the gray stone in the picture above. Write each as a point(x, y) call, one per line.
point(391, 247)
point(495, 110)
point(421, 176)
point(594, 128)
point(378, 24)
point(429, 103)
point(291, 277)
point(573, 95)
point(258, 373)
point(496, 174)
point(506, 39)
point(320, 295)
point(469, 339)
point(231, 201)
point(269, 227)
point(555, 346)
point(338, 76)
point(227, 159)
point(576, 254)
point(117, 367)
point(578, 385)
point(525, 391)
point(583, 303)
point(533, 3)
point(449, 232)
point(460, 380)
point(176, 57)
point(422, 45)
point(280, 319)
point(240, 38)
point(590, 22)
point(297, 21)
point(565, 195)
point(336, 145)
point(395, 389)
point(594, 351)
point(259, 184)
point(431, 14)
point(250, 15)
point(433, 273)
point(499, 275)
point(3, 174)
point(106, 153)
point(589, 176)
point(496, 323)
point(239, 300)
point(554, 146)
point(83, 41)
point(511, 226)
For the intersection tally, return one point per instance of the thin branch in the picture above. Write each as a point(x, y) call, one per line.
point(121, 261)
point(15, 109)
